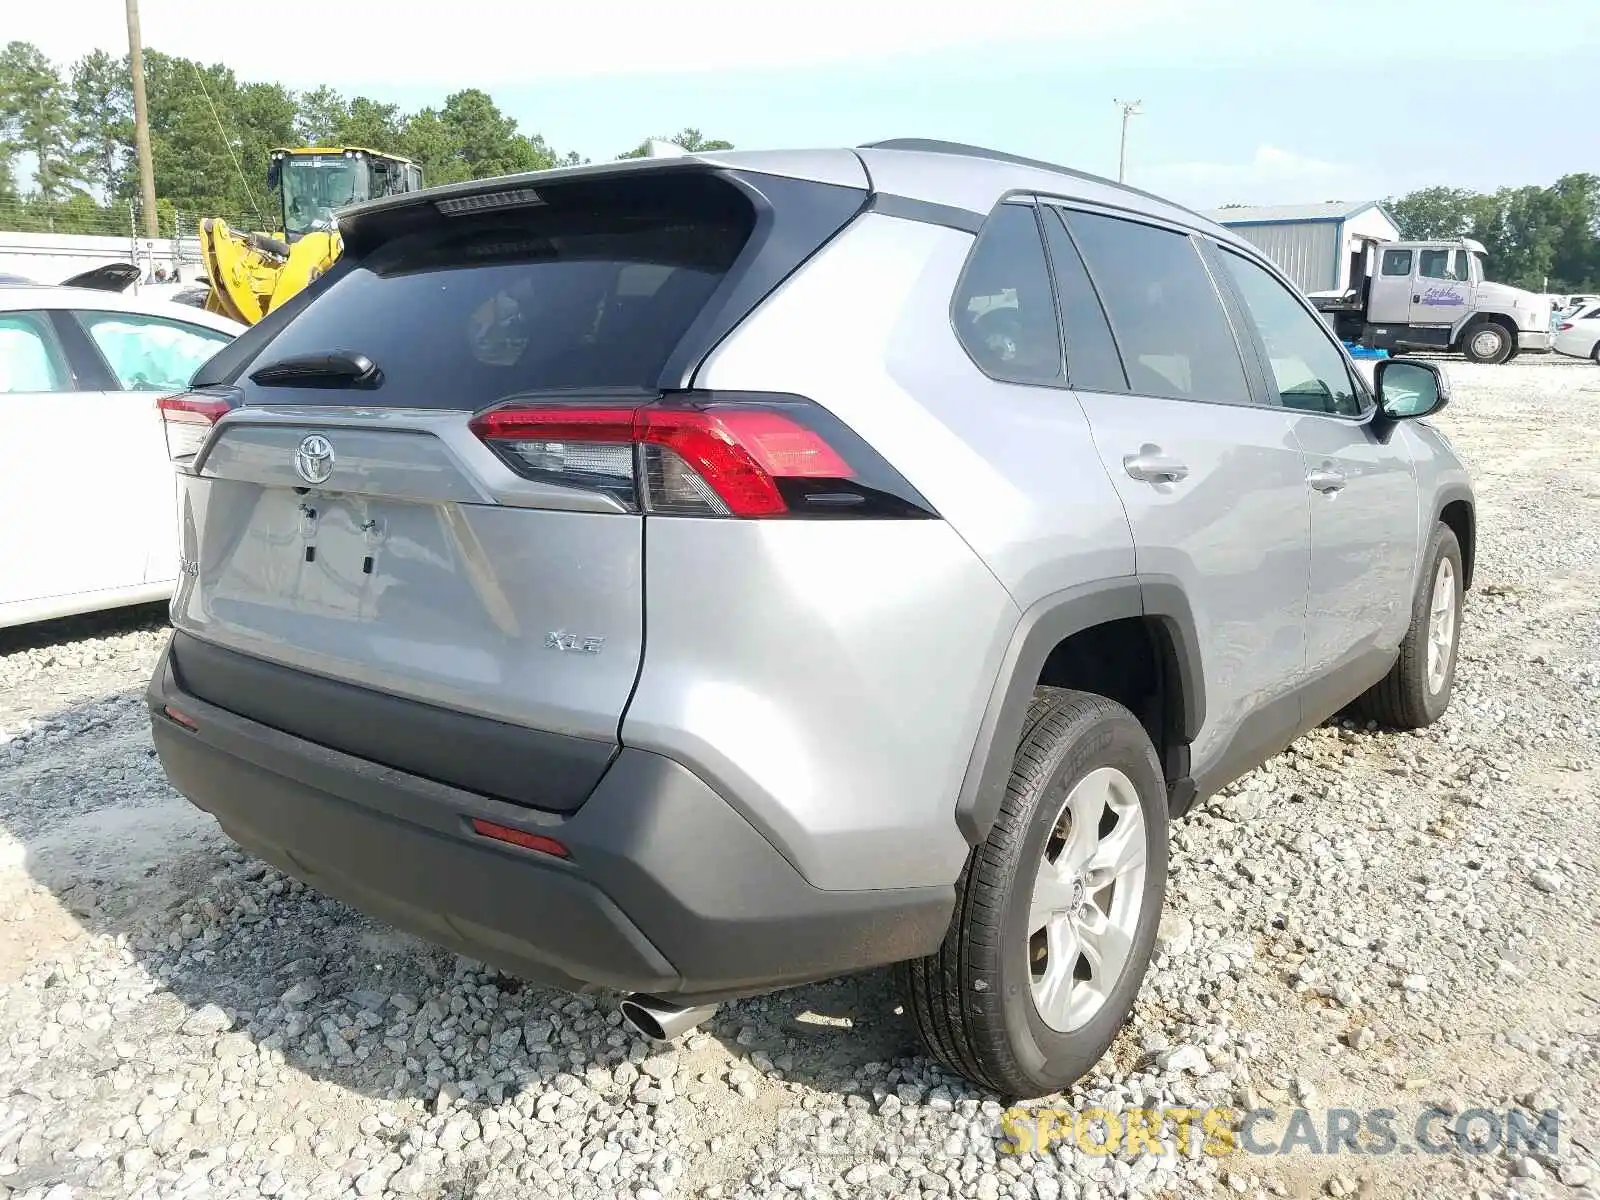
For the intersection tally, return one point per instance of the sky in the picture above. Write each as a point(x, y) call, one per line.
point(1277, 101)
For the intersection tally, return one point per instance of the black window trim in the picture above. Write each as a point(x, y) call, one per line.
point(1017, 199)
point(1061, 313)
point(1261, 395)
point(1369, 404)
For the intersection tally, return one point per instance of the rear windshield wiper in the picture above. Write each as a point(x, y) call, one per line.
point(326, 368)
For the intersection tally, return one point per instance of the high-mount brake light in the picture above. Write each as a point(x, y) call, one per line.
point(749, 456)
point(187, 419)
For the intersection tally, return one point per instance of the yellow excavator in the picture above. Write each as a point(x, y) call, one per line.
point(253, 273)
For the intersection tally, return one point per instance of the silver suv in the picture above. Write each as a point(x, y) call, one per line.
point(697, 576)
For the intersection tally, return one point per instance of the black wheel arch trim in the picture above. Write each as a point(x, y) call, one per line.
point(1044, 624)
point(1452, 493)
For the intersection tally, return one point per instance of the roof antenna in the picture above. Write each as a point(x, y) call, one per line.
point(661, 148)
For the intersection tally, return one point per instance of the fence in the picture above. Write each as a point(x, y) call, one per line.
point(48, 243)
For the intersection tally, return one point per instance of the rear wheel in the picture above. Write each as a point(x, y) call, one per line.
point(1056, 911)
point(1595, 354)
point(1416, 691)
point(1487, 342)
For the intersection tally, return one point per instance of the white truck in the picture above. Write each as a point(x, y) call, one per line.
point(1434, 296)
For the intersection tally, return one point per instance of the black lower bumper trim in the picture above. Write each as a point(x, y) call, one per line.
point(668, 890)
point(476, 753)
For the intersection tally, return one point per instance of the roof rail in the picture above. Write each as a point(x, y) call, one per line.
point(934, 146)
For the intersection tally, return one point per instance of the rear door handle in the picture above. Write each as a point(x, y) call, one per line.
point(1326, 479)
point(1152, 466)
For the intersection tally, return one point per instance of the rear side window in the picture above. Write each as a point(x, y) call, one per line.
point(462, 311)
point(1169, 322)
point(1397, 262)
point(1004, 312)
point(1092, 360)
point(30, 357)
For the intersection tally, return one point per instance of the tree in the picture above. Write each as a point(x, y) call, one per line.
point(1436, 212)
point(36, 117)
point(102, 120)
point(373, 125)
point(320, 117)
point(690, 139)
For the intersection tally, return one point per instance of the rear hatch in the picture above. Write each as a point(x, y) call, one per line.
point(368, 566)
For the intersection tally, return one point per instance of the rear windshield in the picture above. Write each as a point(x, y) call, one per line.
point(461, 311)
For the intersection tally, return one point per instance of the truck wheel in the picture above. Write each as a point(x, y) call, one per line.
point(1416, 691)
point(1487, 342)
point(1056, 911)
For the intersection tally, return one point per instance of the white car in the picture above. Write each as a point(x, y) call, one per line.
point(1578, 333)
point(80, 372)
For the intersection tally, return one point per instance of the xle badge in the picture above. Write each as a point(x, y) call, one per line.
point(573, 642)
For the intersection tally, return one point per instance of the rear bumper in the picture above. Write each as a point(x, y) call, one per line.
point(1535, 340)
point(668, 890)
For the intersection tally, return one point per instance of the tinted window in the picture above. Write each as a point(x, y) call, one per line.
point(30, 358)
point(1437, 264)
point(1168, 319)
point(1092, 360)
point(461, 311)
point(1463, 267)
point(1004, 313)
point(1397, 262)
point(151, 354)
point(1307, 368)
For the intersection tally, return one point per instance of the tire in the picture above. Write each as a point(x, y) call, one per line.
point(1487, 342)
point(1409, 696)
point(1595, 354)
point(973, 1001)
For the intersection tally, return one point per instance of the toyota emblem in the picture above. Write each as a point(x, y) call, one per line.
point(313, 459)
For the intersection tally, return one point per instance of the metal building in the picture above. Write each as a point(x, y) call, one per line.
point(1318, 246)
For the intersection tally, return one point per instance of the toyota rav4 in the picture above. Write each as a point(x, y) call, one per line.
point(701, 575)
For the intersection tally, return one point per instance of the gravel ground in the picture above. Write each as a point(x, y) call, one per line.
point(1369, 921)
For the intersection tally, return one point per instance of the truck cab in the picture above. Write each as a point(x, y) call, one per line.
point(1434, 295)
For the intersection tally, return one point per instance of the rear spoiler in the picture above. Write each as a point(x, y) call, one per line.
point(109, 277)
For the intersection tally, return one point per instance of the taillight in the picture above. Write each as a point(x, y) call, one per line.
point(1564, 326)
point(703, 455)
point(188, 419)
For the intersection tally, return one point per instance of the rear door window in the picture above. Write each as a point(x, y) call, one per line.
point(468, 310)
point(1168, 319)
point(151, 354)
point(1396, 262)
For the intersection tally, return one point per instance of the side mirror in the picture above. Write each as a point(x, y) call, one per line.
point(1408, 388)
point(274, 173)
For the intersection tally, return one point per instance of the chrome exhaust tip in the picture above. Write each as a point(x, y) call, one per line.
point(660, 1021)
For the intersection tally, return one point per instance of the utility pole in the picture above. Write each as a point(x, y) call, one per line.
point(141, 125)
point(1130, 108)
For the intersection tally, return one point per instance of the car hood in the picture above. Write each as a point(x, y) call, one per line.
point(1514, 297)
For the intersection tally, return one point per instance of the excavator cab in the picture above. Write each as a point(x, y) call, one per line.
point(252, 274)
point(312, 183)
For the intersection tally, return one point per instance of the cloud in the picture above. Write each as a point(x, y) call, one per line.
point(497, 43)
point(1271, 176)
